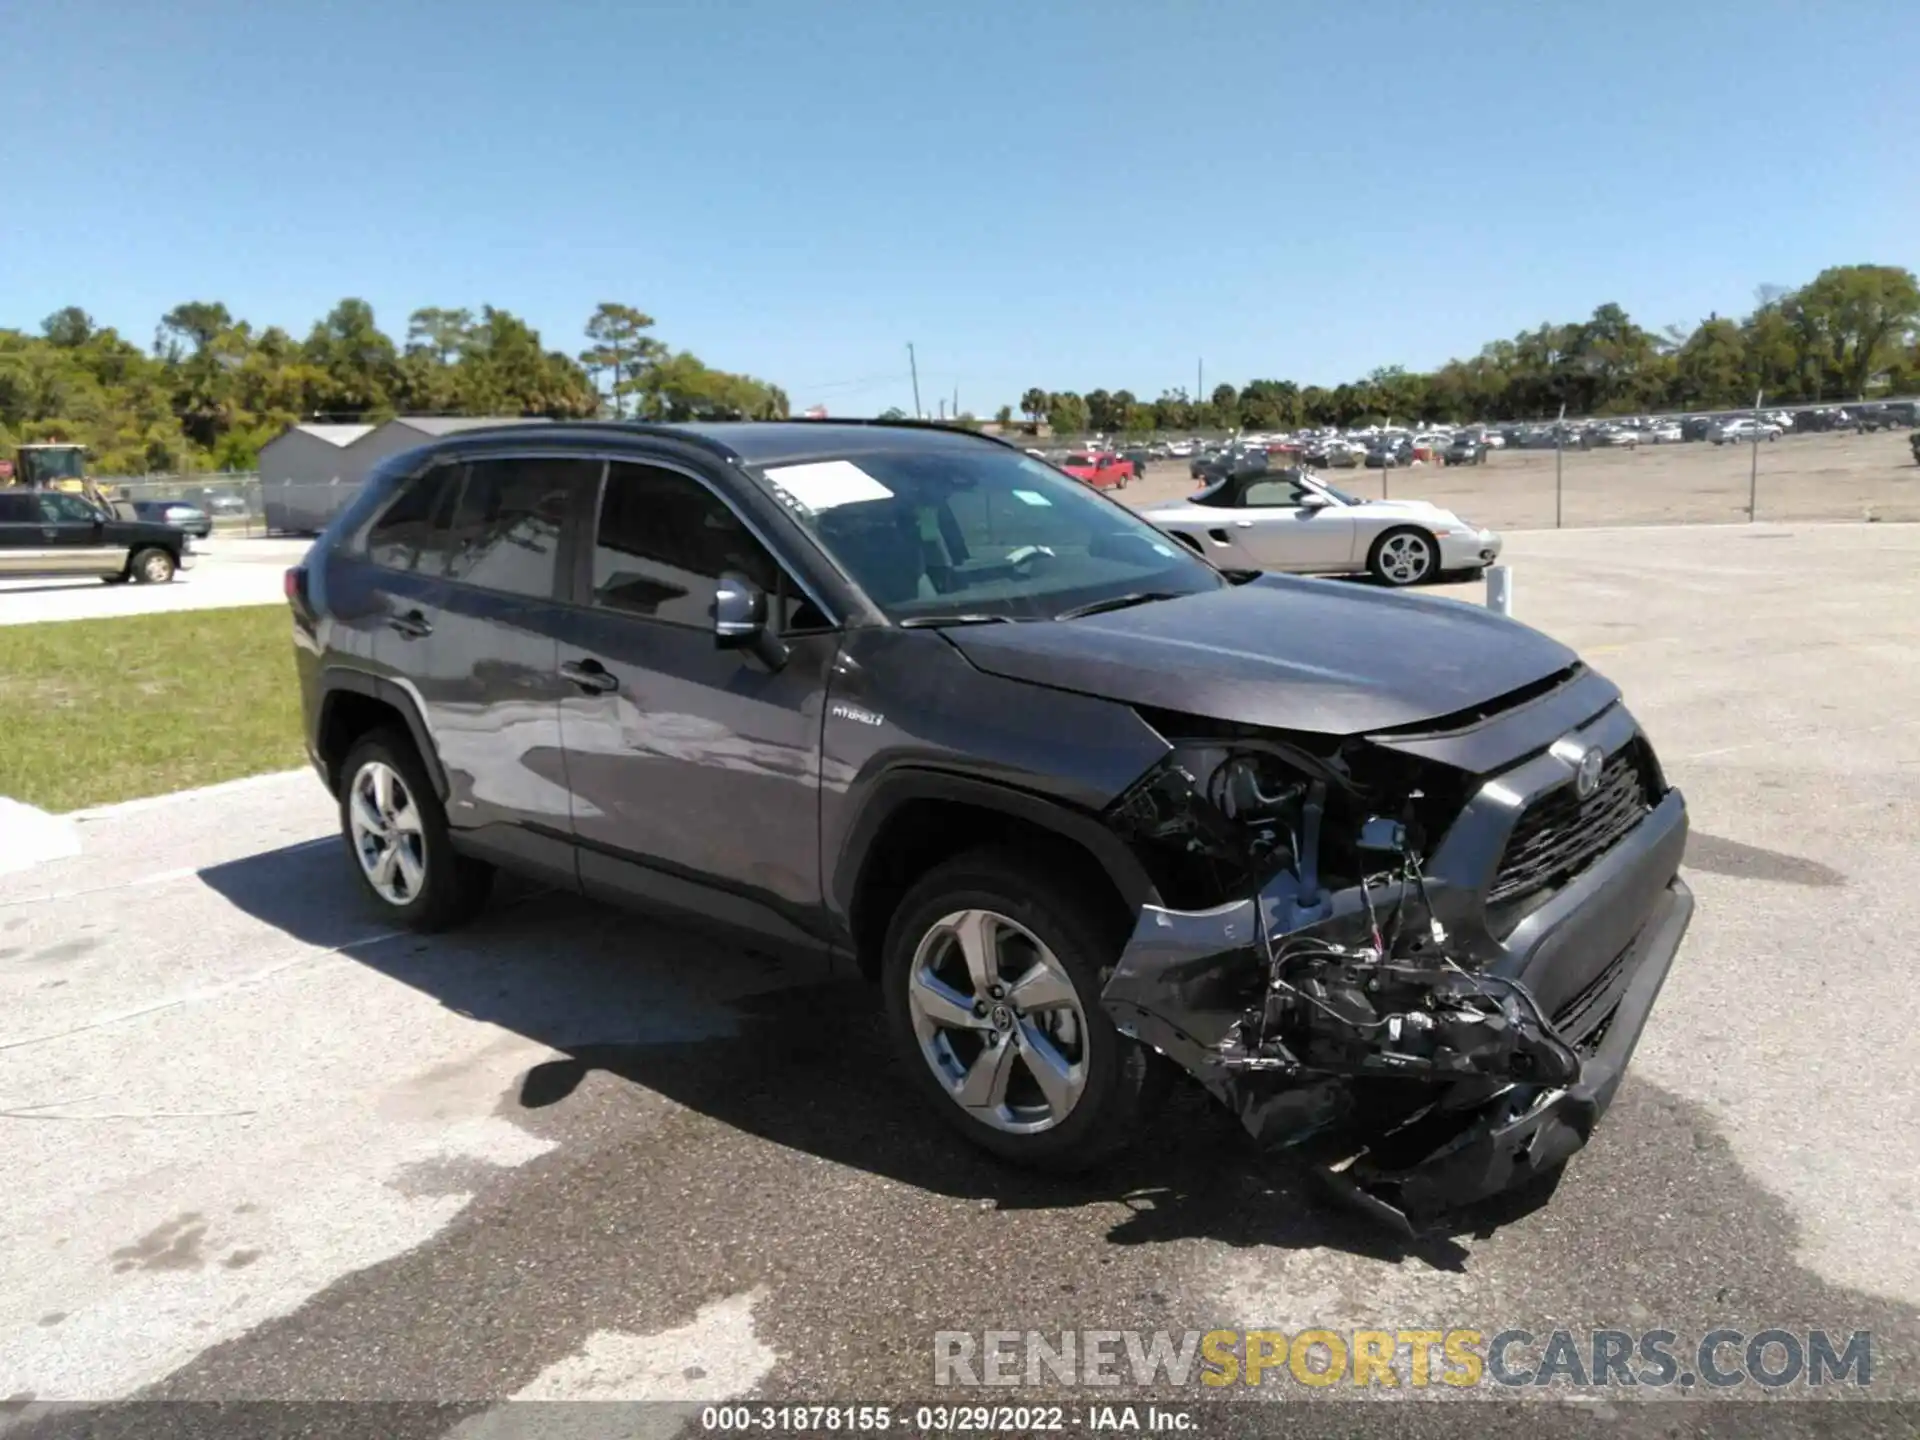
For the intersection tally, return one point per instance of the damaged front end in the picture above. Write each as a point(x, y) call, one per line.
point(1357, 1005)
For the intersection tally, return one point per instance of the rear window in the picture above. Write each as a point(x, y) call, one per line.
point(407, 524)
point(505, 533)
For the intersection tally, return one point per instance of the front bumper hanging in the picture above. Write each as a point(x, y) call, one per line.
point(1410, 1149)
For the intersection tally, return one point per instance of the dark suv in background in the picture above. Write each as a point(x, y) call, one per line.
point(1395, 878)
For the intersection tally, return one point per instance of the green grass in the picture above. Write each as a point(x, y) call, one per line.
point(95, 711)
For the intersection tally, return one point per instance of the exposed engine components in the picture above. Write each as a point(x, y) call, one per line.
point(1305, 974)
point(1376, 995)
point(1338, 1011)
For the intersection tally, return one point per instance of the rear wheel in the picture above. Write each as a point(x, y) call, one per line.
point(992, 971)
point(396, 831)
point(1402, 557)
point(151, 567)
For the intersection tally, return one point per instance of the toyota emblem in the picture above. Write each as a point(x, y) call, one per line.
point(1586, 774)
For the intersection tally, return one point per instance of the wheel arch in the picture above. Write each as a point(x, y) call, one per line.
point(352, 703)
point(918, 818)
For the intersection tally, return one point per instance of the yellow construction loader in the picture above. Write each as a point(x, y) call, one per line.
point(56, 465)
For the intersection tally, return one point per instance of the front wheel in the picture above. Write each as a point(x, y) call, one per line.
point(992, 973)
point(1402, 557)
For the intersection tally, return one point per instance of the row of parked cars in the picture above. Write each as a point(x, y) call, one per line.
point(1384, 447)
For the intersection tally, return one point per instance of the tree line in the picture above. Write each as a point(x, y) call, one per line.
point(1848, 332)
point(211, 389)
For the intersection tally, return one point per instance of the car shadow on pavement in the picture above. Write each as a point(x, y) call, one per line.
point(791, 1055)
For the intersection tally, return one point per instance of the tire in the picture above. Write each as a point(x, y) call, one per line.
point(1391, 559)
point(152, 566)
point(437, 888)
point(1031, 907)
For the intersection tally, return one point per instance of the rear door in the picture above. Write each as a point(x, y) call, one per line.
point(20, 539)
point(475, 631)
point(695, 770)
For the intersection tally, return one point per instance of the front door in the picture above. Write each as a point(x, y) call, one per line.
point(695, 770)
point(1282, 534)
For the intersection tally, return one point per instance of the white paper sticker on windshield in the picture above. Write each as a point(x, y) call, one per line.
point(823, 484)
point(1031, 497)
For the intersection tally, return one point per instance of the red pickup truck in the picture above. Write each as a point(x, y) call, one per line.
point(1101, 469)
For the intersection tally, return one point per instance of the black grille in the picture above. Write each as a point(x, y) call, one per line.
point(1582, 1021)
point(1560, 835)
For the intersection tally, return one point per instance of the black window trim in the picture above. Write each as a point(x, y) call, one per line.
point(569, 587)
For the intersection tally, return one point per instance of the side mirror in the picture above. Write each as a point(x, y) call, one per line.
point(1311, 501)
point(740, 620)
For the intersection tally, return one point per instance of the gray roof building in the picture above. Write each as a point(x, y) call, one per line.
point(309, 473)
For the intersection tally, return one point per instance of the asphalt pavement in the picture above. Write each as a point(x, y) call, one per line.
point(257, 1147)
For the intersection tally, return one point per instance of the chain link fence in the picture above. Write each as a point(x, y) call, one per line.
point(1826, 462)
point(232, 500)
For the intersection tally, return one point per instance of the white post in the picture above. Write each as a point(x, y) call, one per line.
point(1500, 589)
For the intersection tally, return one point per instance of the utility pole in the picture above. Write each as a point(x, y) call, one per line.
point(914, 366)
point(1753, 470)
point(956, 399)
point(1199, 383)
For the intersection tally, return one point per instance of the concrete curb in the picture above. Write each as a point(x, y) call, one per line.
point(154, 802)
point(30, 837)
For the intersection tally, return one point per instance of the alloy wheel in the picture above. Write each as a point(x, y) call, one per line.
point(998, 1021)
point(1405, 558)
point(387, 837)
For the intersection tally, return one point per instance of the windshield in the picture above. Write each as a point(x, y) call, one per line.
point(1342, 496)
point(44, 466)
point(980, 531)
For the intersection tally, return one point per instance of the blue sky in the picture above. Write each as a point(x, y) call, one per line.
point(1053, 192)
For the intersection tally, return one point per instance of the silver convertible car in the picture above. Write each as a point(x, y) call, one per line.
point(1293, 520)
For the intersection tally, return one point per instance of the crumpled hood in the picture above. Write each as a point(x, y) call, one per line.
point(1281, 651)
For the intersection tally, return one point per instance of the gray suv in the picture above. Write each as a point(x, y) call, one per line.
point(1394, 878)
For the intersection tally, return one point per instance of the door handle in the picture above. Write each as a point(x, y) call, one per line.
point(590, 675)
point(413, 625)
